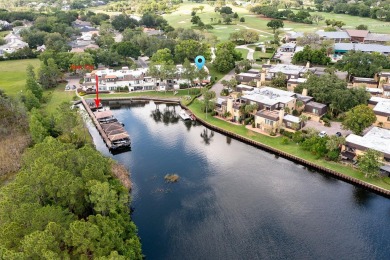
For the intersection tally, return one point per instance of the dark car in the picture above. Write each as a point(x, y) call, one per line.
point(338, 134)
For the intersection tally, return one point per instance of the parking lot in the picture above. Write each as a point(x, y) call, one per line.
point(332, 130)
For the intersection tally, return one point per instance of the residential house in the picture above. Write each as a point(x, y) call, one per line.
point(272, 121)
point(288, 47)
point(291, 37)
point(377, 38)
point(290, 71)
point(386, 90)
point(134, 80)
point(357, 35)
point(246, 77)
point(242, 87)
point(293, 83)
point(268, 98)
point(233, 107)
point(366, 82)
point(315, 110)
point(337, 37)
point(377, 139)
point(384, 78)
point(13, 43)
point(381, 108)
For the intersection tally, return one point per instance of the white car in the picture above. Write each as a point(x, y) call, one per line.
point(322, 134)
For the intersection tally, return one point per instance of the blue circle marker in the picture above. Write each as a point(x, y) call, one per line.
point(200, 61)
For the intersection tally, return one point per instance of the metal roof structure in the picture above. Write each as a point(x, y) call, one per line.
point(344, 47)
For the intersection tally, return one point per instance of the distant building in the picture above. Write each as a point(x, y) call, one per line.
point(377, 38)
point(381, 108)
point(288, 47)
point(342, 48)
point(337, 37)
point(134, 80)
point(366, 82)
point(13, 43)
point(357, 35)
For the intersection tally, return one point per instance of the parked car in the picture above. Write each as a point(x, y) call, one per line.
point(338, 134)
point(322, 134)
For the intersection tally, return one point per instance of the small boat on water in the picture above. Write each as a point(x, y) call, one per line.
point(184, 115)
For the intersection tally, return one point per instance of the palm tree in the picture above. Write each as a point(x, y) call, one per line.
point(206, 136)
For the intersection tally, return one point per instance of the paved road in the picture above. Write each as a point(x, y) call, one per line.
point(250, 53)
point(217, 87)
point(142, 62)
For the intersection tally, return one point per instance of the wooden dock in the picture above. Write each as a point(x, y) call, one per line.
point(97, 124)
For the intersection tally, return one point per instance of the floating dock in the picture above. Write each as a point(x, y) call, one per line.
point(112, 131)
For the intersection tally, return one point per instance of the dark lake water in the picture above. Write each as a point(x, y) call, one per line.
point(234, 201)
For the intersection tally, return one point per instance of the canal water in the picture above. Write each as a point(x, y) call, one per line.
point(234, 201)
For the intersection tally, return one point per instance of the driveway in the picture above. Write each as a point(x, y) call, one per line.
point(217, 87)
point(73, 80)
point(333, 129)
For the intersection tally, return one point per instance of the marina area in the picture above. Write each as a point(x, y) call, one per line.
point(111, 130)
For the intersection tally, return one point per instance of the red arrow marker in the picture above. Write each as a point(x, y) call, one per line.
point(97, 100)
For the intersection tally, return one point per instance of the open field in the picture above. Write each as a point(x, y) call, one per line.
point(182, 18)
point(291, 148)
point(13, 75)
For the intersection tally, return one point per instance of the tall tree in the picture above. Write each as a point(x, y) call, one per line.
point(279, 81)
point(162, 56)
point(275, 24)
point(361, 64)
point(225, 57)
point(358, 119)
point(370, 163)
point(208, 104)
point(32, 84)
point(190, 49)
point(49, 74)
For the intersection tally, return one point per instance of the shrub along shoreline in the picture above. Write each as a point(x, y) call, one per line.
point(275, 145)
point(291, 151)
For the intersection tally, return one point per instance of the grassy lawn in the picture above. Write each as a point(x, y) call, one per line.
point(259, 54)
point(244, 52)
point(291, 148)
point(182, 17)
point(215, 73)
point(13, 75)
point(57, 96)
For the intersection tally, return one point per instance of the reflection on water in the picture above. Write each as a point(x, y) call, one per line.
point(168, 115)
point(228, 139)
point(361, 196)
point(234, 201)
point(207, 136)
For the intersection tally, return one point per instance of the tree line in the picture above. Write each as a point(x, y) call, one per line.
point(65, 201)
point(373, 9)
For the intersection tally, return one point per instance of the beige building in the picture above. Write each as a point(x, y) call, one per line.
point(377, 139)
point(293, 83)
point(381, 108)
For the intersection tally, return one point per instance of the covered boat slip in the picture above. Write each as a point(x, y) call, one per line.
point(112, 131)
